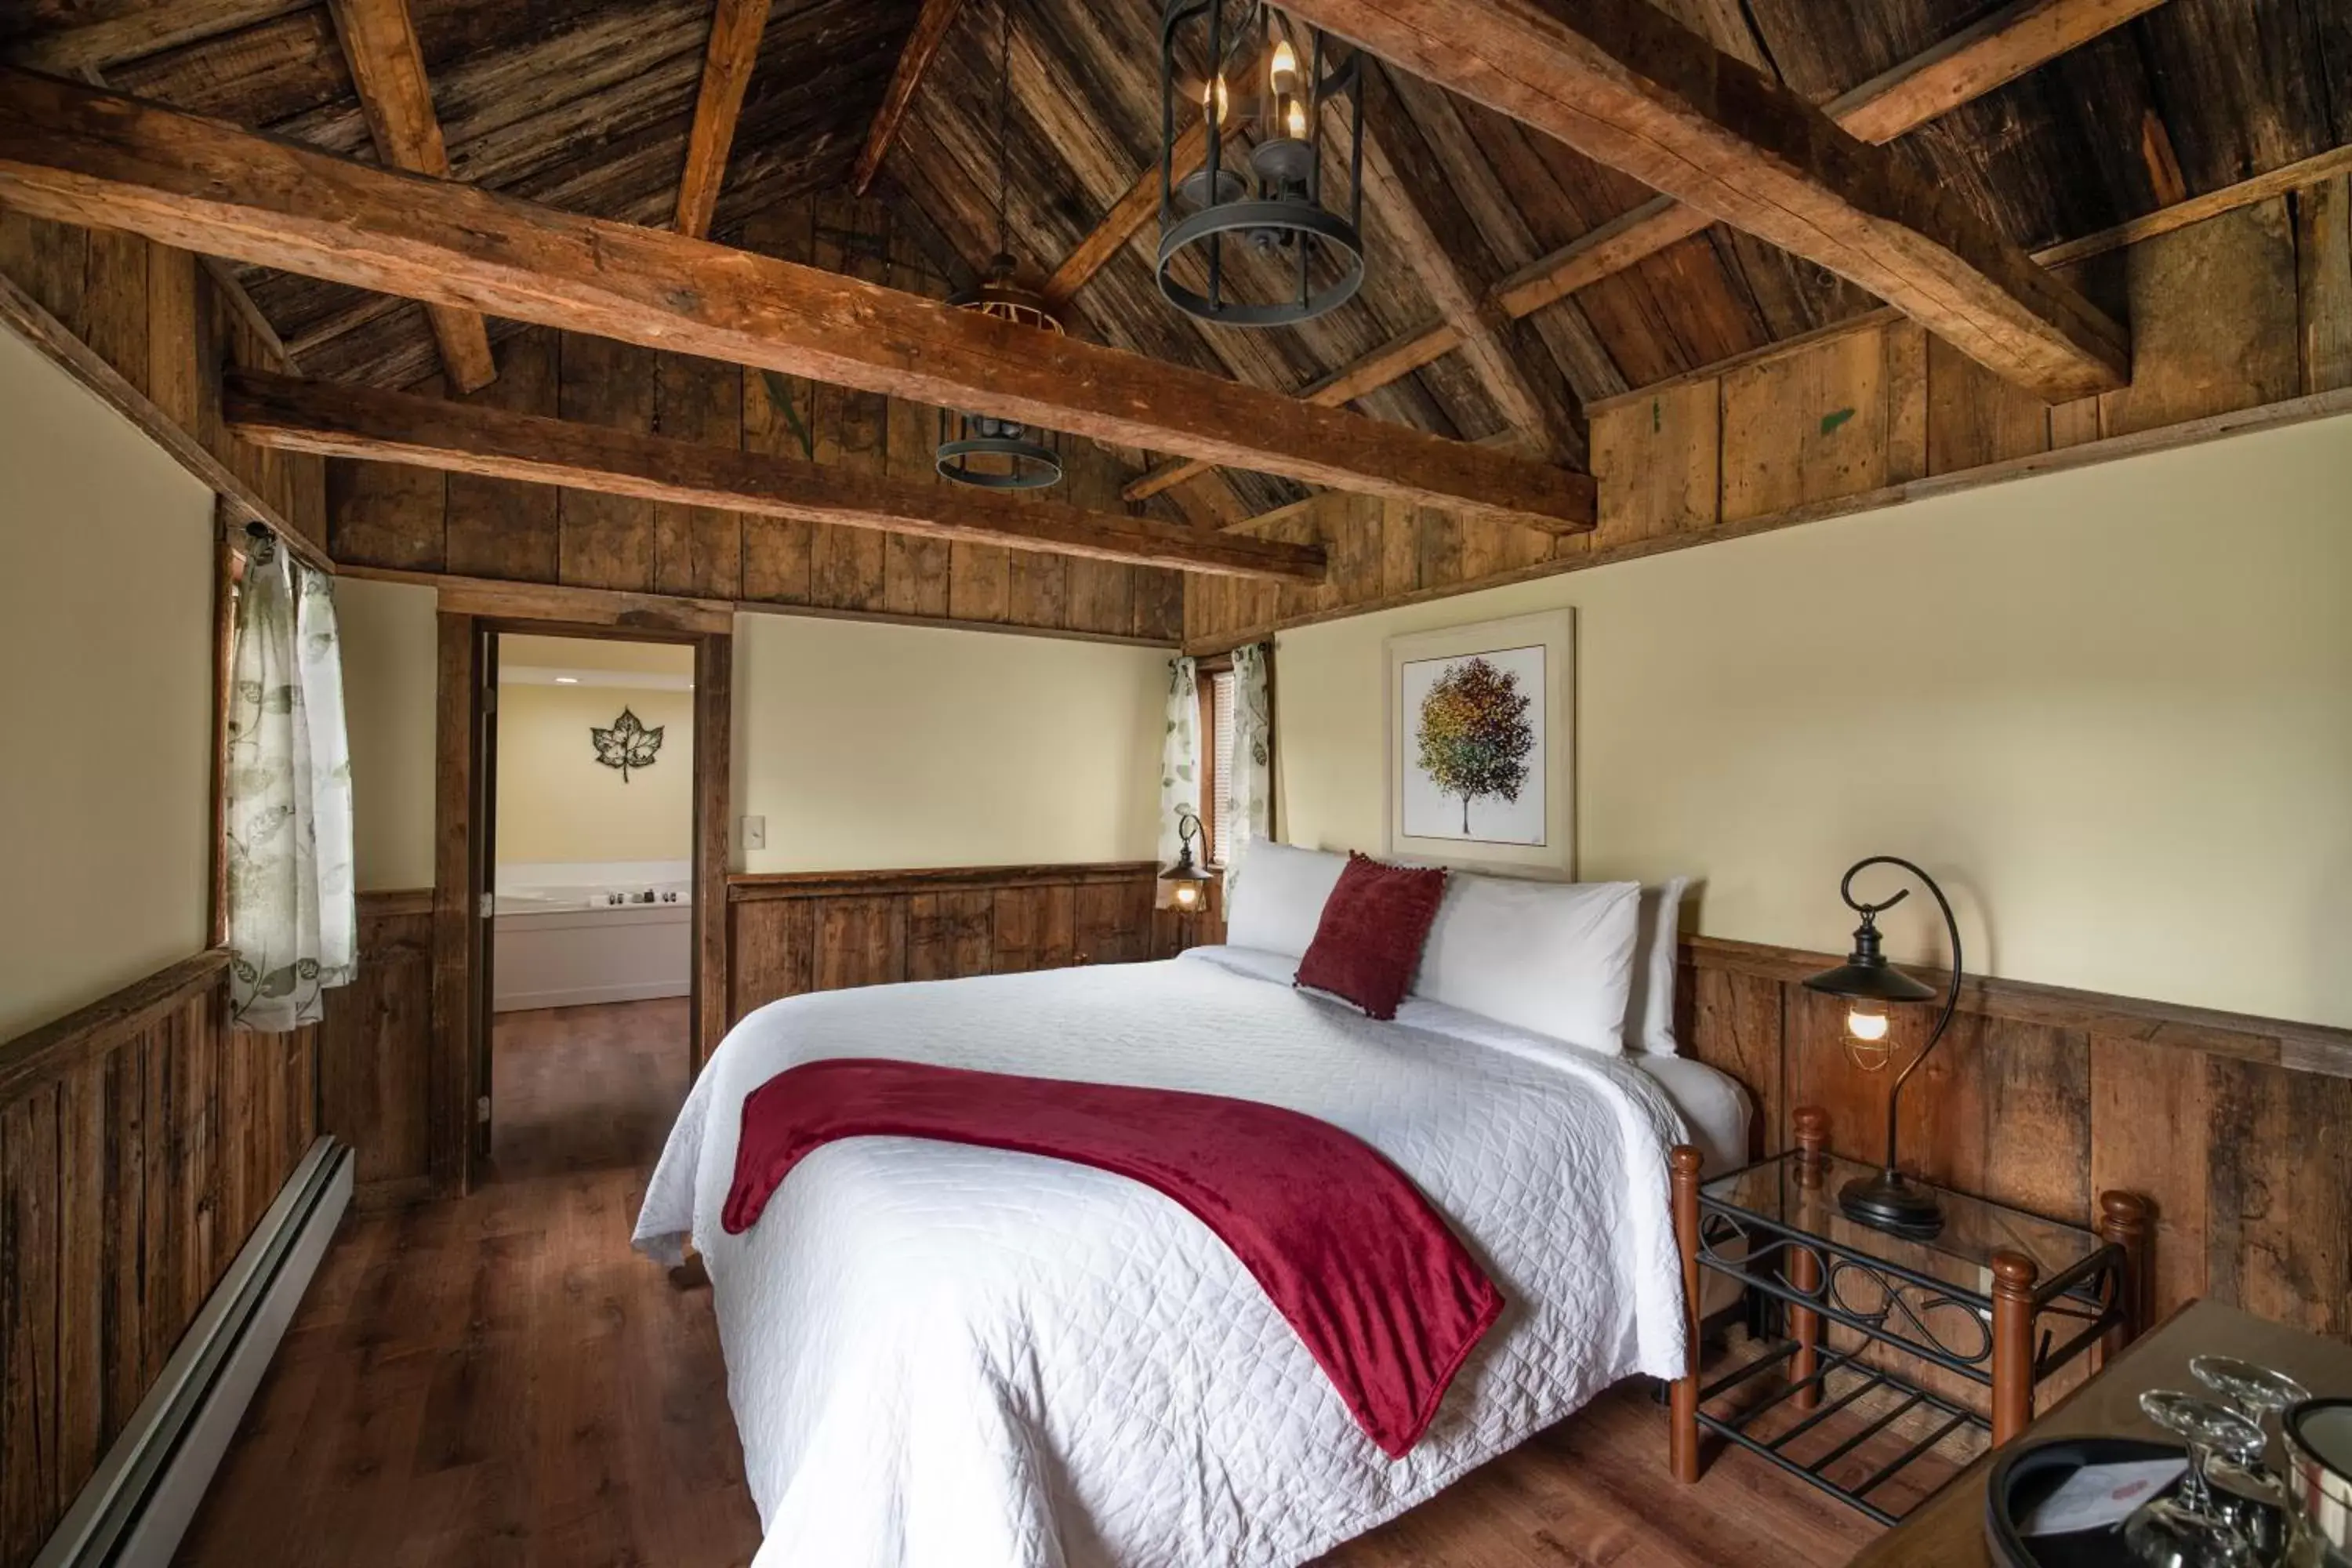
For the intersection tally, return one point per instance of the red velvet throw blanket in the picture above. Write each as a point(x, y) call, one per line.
point(1383, 1295)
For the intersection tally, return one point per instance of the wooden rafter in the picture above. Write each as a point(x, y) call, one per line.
point(735, 30)
point(1630, 88)
point(78, 155)
point(344, 421)
point(1998, 48)
point(379, 39)
point(1411, 201)
point(932, 25)
point(1138, 205)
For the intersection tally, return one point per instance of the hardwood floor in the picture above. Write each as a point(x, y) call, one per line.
point(501, 1381)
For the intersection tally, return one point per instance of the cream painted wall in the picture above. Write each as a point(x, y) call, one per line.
point(558, 804)
point(867, 745)
point(106, 616)
point(2111, 709)
point(389, 633)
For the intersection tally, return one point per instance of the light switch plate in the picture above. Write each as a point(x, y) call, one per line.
point(755, 833)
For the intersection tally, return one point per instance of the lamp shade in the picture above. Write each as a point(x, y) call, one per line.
point(1869, 980)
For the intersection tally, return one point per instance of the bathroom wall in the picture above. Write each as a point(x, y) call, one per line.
point(558, 805)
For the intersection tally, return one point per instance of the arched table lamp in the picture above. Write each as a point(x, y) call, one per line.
point(1888, 1201)
point(1184, 887)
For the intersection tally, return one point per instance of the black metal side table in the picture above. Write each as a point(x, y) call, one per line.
point(2001, 1298)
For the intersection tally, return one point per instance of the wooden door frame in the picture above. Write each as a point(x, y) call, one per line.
point(459, 879)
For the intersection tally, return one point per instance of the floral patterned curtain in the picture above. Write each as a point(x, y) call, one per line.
point(1253, 781)
point(1180, 754)
point(292, 919)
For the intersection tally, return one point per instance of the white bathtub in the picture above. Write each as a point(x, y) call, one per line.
point(568, 934)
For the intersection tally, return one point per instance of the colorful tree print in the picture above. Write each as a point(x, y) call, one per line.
point(1474, 734)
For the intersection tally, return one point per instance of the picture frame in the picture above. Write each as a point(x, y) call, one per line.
point(1481, 743)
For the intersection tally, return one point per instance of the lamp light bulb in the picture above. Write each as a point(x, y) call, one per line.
point(1298, 121)
point(1188, 895)
point(1865, 1023)
point(1213, 98)
point(1282, 71)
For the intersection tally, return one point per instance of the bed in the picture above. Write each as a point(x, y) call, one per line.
point(945, 1356)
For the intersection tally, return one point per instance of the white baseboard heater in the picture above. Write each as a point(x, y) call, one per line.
point(138, 1504)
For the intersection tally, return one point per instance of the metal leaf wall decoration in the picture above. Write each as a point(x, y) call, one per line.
point(628, 745)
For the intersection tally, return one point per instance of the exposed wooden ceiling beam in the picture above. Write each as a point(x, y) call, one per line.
point(344, 421)
point(1139, 205)
point(1391, 361)
point(1627, 87)
point(1437, 241)
point(1991, 52)
point(134, 31)
point(735, 30)
point(2297, 176)
point(930, 31)
point(388, 68)
point(1996, 49)
point(74, 153)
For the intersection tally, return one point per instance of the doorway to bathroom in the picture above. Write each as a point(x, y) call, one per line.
point(579, 941)
point(588, 757)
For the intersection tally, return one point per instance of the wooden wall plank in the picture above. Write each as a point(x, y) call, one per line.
point(30, 1257)
point(2214, 321)
point(128, 1180)
point(950, 934)
point(817, 932)
point(699, 551)
point(375, 1071)
point(859, 942)
point(770, 952)
point(1974, 417)
point(607, 542)
point(504, 528)
point(2279, 1202)
point(1732, 1023)
point(1661, 462)
point(2323, 226)
point(1806, 427)
point(2147, 1136)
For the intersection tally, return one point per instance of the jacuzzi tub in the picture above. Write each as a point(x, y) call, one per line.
point(568, 934)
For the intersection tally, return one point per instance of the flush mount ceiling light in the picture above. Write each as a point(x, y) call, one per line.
point(1274, 86)
point(987, 449)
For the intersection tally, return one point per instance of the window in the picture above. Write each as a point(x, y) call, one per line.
point(1216, 690)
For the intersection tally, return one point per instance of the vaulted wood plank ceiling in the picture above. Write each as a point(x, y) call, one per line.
point(586, 105)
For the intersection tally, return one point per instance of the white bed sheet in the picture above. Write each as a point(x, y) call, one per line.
point(942, 1356)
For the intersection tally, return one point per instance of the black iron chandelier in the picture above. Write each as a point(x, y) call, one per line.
point(985, 449)
point(1274, 86)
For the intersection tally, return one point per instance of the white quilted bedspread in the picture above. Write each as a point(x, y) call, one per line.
point(942, 1356)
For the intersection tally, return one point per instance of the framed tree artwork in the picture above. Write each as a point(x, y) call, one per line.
point(1481, 743)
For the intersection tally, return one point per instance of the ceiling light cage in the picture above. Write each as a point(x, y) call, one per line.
point(989, 450)
point(986, 449)
point(1283, 92)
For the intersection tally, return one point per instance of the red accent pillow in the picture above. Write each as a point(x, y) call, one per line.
point(1369, 942)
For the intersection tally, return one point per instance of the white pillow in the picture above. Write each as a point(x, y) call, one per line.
point(1278, 894)
point(1650, 1007)
point(1553, 957)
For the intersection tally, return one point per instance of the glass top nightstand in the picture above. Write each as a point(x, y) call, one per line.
point(2000, 1297)
point(1787, 1196)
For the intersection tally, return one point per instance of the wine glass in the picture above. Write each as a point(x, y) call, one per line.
point(2248, 1493)
point(2181, 1529)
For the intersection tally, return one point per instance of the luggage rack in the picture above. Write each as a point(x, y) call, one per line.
point(1865, 1380)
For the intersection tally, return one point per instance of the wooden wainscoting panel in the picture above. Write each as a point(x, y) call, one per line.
point(375, 1063)
point(2232, 1128)
point(141, 1139)
point(801, 931)
point(950, 934)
